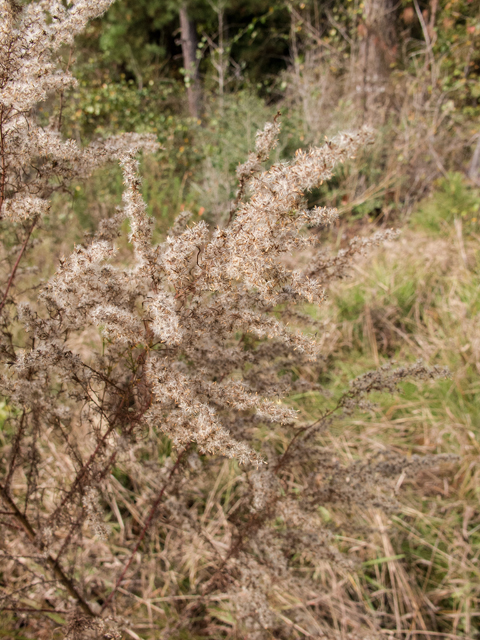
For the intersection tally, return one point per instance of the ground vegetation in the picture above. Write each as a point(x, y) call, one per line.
point(240, 316)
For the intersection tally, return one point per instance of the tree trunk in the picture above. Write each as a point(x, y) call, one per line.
point(377, 49)
point(189, 52)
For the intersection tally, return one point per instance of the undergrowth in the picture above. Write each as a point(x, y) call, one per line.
point(420, 298)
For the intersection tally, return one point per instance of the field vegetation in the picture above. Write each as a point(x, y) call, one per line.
point(188, 539)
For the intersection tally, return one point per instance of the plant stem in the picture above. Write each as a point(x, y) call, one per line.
point(145, 529)
point(52, 564)
point(15, 266)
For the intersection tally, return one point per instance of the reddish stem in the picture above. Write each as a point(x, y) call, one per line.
point(30, 610)
point(52, 564)
point(15, 266)
point(2, 152)
point(144, 530)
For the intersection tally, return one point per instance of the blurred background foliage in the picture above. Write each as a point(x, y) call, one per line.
point(411, 69)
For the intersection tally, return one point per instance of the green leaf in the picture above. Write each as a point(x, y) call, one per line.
point(369, 563)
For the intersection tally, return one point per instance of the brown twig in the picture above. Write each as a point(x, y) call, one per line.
point(148, 522)
point(17, 262)
point(255, 521)
point(52, 564)
point(2, 153)
point(15, 451)
point(303, 430)
point(83, 472)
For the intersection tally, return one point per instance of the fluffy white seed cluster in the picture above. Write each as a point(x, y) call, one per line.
point(265, 142)
point(269, 224)
point(187, 298)
point(35, 159)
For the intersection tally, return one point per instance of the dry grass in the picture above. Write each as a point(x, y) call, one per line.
point(419, 299)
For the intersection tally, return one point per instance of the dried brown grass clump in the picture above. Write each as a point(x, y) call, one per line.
point(188, 371)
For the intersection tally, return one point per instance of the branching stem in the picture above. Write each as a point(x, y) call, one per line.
point(17, 262)
point(148, 522)
point(52, 564)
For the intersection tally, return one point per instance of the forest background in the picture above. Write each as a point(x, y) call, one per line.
point(204, 77)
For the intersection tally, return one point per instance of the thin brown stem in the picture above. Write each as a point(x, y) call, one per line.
point(2, 153)
point(242, 185)
point(255, 520)
point(52, 564)
point(17, 262)
point(76, 526)
point(15, 451)
point(102, 377)
point(303, 430)
point(148, 522)
point(83, 472)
